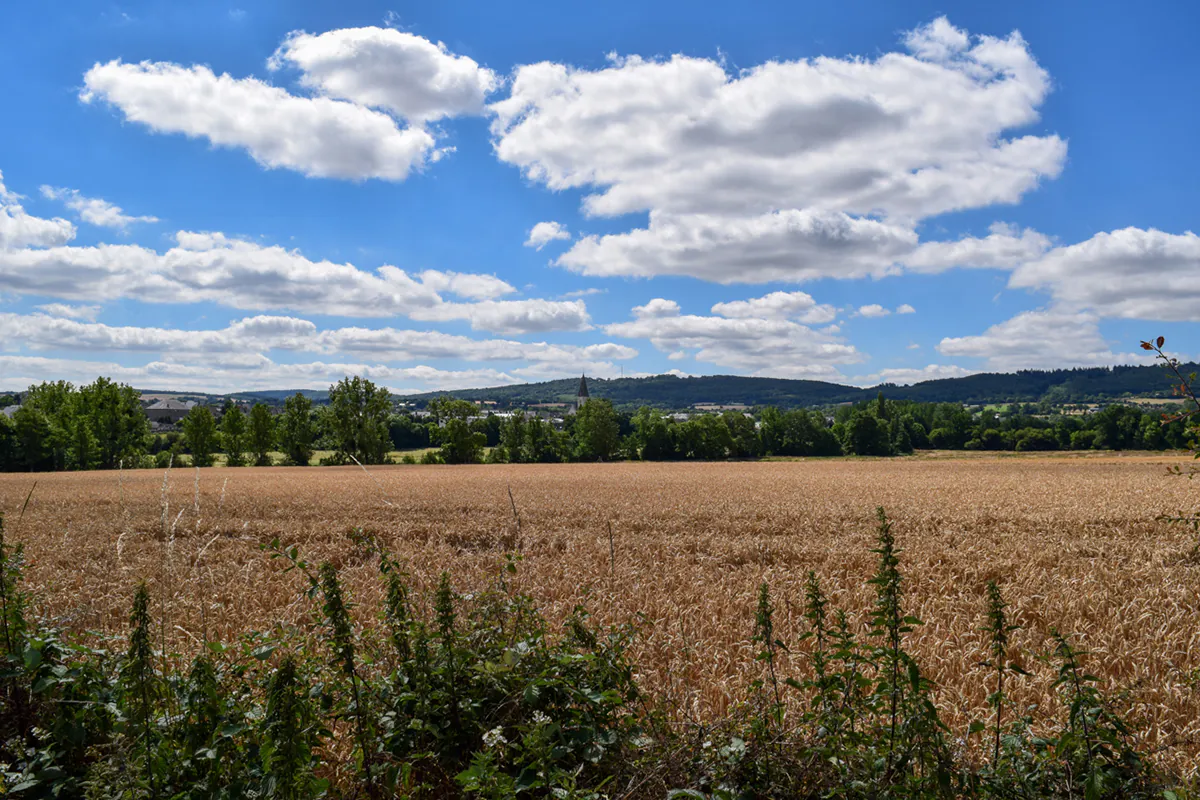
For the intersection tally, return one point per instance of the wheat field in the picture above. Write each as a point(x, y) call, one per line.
point(1072, 540)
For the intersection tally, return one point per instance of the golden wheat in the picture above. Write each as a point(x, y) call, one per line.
point(1073, 542)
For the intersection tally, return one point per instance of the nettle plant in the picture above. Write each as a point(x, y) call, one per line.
point(1183, 386)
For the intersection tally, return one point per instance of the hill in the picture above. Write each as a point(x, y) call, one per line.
point(670, 391)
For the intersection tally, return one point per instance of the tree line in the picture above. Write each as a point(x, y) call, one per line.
point(102, 426)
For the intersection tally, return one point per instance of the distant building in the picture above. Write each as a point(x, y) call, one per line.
point(581, 396)
point(168, 411)
point(8, 411)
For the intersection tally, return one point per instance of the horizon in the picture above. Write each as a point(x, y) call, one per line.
point(229, 199)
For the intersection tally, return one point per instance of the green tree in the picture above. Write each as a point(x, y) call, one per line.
point(9, 454)
point(867, 436)
point(262, 434)
point(200, 433)
point(743, 436)
point(597, 431)
point(116, 420)
point(459, 444)
point(512, 439)
point(46, 426)
point(296, 432)
point(543, 444)
point(34, 439)
point(234, 434)
point(652, 435)
point(357, 420)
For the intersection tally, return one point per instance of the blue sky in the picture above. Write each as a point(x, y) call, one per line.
point(222, 196)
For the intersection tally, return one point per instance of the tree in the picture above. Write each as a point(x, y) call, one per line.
point(543, 444)
point(296, 430)
point(200, 433)
point(743, 436)
point(262, 434)
point(357, 420)
point(45, 426)
point(597, 431)
point(867, 436)
point(460, 444)
point(33, 435)
point(652, 435)
point(233, 434)
point(116, 420)
point(8, 445)
point(512, 439)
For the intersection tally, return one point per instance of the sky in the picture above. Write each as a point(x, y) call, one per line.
point(224, 196)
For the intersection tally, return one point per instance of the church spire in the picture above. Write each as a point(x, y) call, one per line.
point(581, 396)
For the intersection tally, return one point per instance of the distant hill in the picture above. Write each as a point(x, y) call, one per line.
point(670, 391)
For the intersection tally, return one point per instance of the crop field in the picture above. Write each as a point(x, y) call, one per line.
point(1072, 540)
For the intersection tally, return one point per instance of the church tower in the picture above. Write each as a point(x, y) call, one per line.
point(581, 396)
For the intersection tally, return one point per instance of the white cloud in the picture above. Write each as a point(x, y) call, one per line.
point(240, 374)
point(787, 245)
point(405, 74)
point(473, 287)
point(239, 274)
point(263, 333)
point(905, 376)
point(582, 293)
point(777, 347)
point(874, 310)
point(19, 229)
point(914, 346)
point(905, 308)
point(912, 135)
point(658, 307)
point(1130, 273)
point(1003, 248)
point(243, 345)
point(790, 170)
point(93, 210)
point(316, 136)
point(543, 233)
point(779, 305)
point(512, 316)
point(81, 312)
point(1053, 338)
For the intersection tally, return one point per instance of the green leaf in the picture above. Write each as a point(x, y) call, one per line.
point(976, 727)
point(263, 652)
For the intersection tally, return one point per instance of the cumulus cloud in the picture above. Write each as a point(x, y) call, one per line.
point(784, 305)
point(264, 333)
point(906, 376)
point(93, 210)
point(872, 311)
point(241, 374)
point(1003, 248)
point(790, 245)
point(405, 74)
point(238, 355)
point(543, 233)
point(905, 308)
point(81, 312)
point(316, 136)
point(1130, 273)
point(813, 168)
point(777, 347)
point(1051, 338)
point(19, 229)
point(246, 275)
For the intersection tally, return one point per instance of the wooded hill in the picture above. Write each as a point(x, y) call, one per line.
point(669, 391)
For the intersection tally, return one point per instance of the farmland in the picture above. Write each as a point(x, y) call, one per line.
point(1073, 542)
